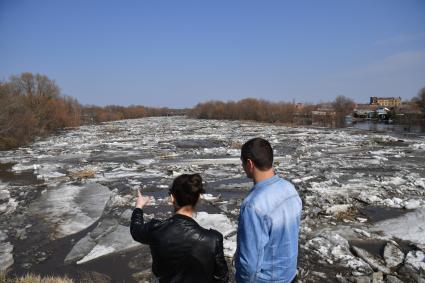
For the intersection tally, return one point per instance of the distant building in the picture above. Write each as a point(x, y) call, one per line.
point(382, 113)
point(364, 110)
point(385, 101)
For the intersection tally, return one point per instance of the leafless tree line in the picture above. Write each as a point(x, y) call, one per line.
point(246, 109)
point(96, 114)
point(271, 112)
point(31, 105)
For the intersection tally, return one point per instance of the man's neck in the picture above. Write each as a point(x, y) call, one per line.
point(263, 175)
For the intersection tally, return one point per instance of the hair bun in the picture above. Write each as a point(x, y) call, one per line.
point(195, 181)
point(186, 189)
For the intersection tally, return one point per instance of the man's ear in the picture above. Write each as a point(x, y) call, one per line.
point(250, 164)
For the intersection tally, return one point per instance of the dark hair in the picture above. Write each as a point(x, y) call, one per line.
point(186, 189)
point(259, 151)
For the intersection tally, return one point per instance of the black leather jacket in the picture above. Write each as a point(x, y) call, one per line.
point(182, 251)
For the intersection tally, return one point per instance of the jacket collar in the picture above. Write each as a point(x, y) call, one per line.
point(185, 218)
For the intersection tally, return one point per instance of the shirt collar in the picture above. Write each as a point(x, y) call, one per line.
point(266, 182)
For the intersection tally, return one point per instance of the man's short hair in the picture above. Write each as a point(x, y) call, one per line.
point(259, 151)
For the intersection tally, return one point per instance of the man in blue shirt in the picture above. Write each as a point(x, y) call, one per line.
point(269, 220)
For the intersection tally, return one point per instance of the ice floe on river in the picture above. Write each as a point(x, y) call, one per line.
point(224, 225)
point(6, 249)
point(409, 227)
point(70, 209)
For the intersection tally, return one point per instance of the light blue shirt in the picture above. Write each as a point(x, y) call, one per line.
point(267, 241)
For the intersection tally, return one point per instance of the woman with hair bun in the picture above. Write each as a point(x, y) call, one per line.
point(182, 251)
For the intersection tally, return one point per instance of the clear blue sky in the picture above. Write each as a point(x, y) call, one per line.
point(177, 53)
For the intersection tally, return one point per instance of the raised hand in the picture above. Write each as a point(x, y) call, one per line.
point(141, 201)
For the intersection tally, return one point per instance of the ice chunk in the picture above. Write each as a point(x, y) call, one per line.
point(24, 167)
point(415, 260)
point(6, 256)
point(362, 232)
point(47, 171)
point(219, 222)
point(414, 266)
point(333, 247)
point(117, 200)
point(407, 227)
point(224, 225)
point(418, 146)
point(209, 197)
point(373, 261)
point(145, 162)
point(3, 236)
point(119, 240)
point(369, 198)
point(412, 204)
point(338, 208)
point(4, 195)
point(71, 208)
point(80, 250)
point(393, 279)
point(393, 255)
point(97, 251)
point(50, 175)
point(397, 181)
point(420, 182)
point(8, 207)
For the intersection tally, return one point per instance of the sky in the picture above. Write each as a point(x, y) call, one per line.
point(178, 53)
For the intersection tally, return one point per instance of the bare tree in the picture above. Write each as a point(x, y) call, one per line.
point(419, 100)
point(342, 106)
point(31, 105)
point(28, 84)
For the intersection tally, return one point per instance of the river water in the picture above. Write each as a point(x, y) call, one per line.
point(385, 127)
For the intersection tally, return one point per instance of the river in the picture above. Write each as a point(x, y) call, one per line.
point(66, 201)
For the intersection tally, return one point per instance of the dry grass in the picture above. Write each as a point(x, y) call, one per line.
point(349, 214)
point(83, 174)
point(236, 145)
point(2, 276)
point(31, 278)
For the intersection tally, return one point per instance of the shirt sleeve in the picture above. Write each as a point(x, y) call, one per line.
point(253, 234)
